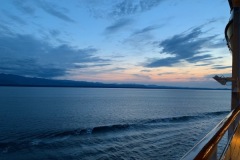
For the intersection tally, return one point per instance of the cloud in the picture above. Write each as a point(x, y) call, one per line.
point(142, 39)
point(4, 29)
point(147, 29)
point(166, 73)
point(221, 67)
point(141, 76)
point(126, 7)
point(54, 33)
point(90, 65)
point(96, 71)
point(118, 25)
point(119, 8)
point(220, 43)
point(24, 6)
point(167, 62)
point(205, 64)
point(30, 67)
point(186, 46)
point(54, 11)
point(145, 70)
point(195, 59)
point(26, 55)
point(15, 18)
point(29, 7)
point(118, 69)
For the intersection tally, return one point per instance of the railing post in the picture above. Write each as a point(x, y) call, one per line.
point(206, 149)
point(213, 156)
point(235, 41)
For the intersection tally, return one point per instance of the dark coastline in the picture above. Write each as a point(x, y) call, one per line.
point(8, 80)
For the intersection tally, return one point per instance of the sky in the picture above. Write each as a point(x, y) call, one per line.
point(161, 42)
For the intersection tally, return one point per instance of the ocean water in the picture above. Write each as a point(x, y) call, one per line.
point(94, 123)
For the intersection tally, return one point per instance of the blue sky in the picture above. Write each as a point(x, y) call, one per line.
point(163, 42)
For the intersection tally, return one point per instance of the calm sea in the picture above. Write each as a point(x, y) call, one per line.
point(90, 123)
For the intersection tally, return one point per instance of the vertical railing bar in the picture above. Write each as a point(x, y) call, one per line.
point(228, 144)
point(204, 148)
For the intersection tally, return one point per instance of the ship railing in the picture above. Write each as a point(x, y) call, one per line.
point(207, 148)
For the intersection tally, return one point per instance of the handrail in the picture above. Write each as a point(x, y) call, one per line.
point(204, 149)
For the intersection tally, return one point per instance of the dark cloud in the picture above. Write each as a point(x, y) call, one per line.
point(90, 65)
point(54, 11)
point(205, 64)
point(139, 41)
point(30, 67)
point(167, 62)
point(119, 8)
point(15, 18)
point(218, 44)
point(141, 76)
point(24, 6)
point(127, 7)
point(186, 46)
point(221, 67)
point(198, 58)
point(26, 55)
point(4, 29)
point(29, 7)
point(115, 69)
point(212, 58)
point(54, 32)
point(147, 29)
point(166, 73)
point(118, 25)
point(142, 38)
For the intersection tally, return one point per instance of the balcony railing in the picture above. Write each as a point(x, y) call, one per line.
point(207, 148)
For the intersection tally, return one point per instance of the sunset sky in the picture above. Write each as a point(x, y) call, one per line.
point(163, 42)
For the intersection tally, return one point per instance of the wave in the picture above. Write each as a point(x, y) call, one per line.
point(110, 128)
point(187, 118)
point(120, 127)
point(217, 113)
point(140, 124)
point(39, 139)
point(46, 138)
point(94, 130)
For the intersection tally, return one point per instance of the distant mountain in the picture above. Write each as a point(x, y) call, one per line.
point(15, 80)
